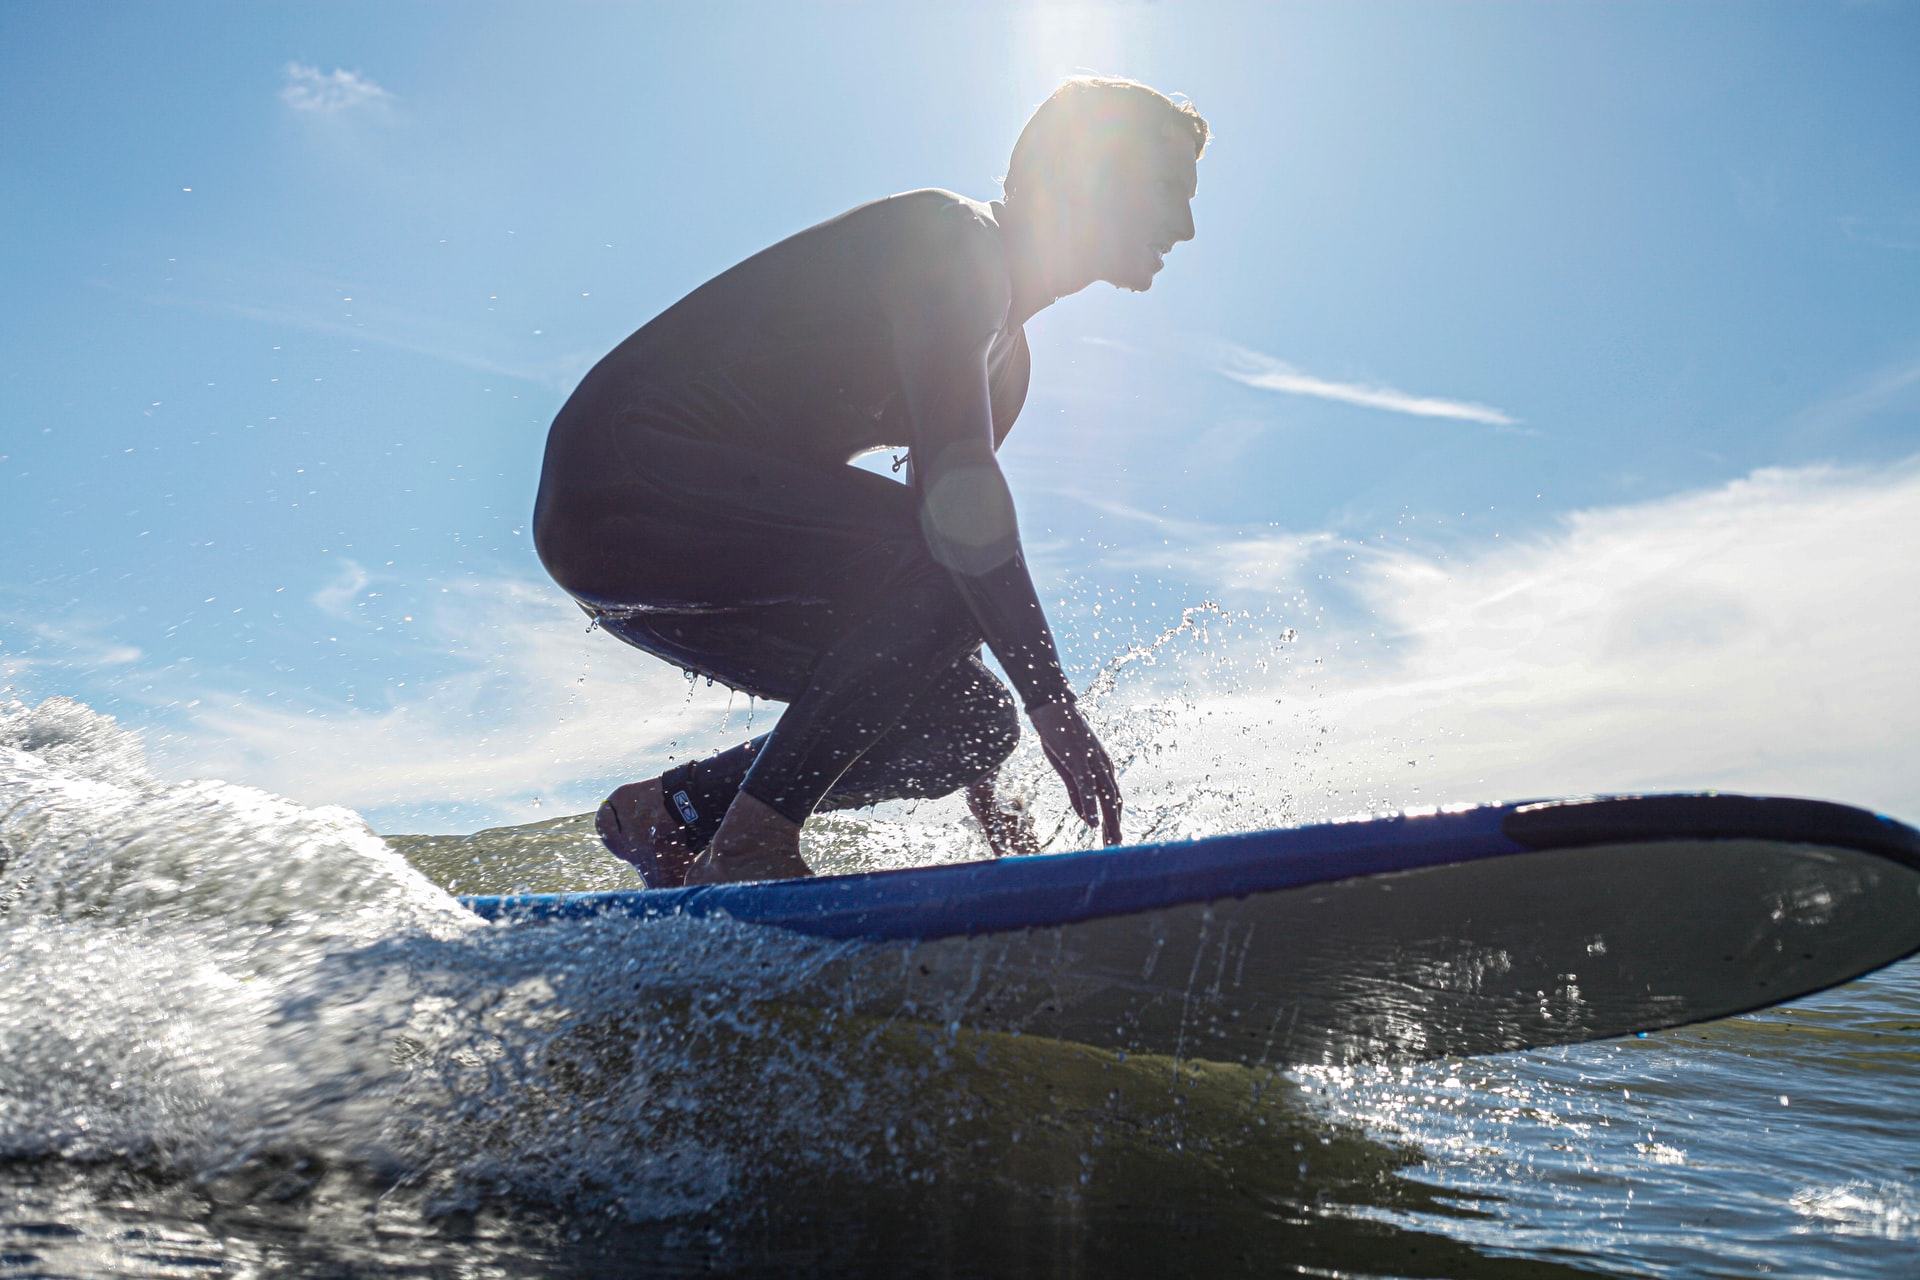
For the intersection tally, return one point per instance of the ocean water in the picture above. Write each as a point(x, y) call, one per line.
point(239, 1036)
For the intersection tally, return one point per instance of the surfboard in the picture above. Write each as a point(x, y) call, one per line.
point(1429, 933)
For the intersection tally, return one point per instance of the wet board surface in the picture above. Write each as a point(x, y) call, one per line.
point(1426, 934)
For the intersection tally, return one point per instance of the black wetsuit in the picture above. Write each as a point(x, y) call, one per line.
point(696, 499)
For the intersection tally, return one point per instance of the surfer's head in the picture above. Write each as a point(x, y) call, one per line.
point(1104, 173)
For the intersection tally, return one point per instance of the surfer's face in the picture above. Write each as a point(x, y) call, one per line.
point(1140, 206)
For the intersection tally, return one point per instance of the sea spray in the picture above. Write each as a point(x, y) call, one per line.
point(198, 975)
point(221, 980)
point(163, 956)
point(1171, 707)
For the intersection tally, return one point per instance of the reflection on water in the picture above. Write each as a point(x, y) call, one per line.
point(1006, 1159)
point(239, 1036)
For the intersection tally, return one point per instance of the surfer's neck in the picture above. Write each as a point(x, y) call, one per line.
point(1040, 265)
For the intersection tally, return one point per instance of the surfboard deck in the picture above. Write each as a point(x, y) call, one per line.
point(1431, 933)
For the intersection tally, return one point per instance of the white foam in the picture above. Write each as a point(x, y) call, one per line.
point(1884, 1210)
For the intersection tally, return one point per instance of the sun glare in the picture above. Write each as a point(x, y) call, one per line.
point(1054, 41)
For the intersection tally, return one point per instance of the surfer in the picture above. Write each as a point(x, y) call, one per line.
point(696, 497)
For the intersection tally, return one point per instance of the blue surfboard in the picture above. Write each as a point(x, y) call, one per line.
point(1431, 933)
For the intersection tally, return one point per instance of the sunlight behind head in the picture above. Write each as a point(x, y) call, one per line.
point(1085, 121)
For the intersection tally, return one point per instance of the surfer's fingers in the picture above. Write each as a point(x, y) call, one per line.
point(1078, 794)
point(1110, 807)
point(1108, 789)
point(1103, 807)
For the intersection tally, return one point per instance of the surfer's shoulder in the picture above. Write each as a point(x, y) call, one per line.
point(944, 216)
point(945, 242)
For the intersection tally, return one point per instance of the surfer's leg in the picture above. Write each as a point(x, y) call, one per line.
point(637, 826)
point(805, 584)
point(871, 679)
point(870, 682)
point(954, 737)
point(1008, 827)
point(707, 530)
point(956, 734)
point(865, 684)
point(733, 565)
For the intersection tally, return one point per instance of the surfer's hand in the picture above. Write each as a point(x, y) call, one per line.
point(1082, 763)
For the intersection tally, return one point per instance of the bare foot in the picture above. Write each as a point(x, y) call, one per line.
point(754, 843)
point(636, 828)
point(1009, 827)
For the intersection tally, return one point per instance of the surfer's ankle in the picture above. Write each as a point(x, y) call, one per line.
point(638, 828)
point(755, 842)
point(1008, 827)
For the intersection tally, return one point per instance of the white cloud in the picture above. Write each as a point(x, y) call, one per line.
point(32, 642)
point(278, 291)
point(536, 707)
point(320, 92)
point(1268, 374)
point(1757, 636)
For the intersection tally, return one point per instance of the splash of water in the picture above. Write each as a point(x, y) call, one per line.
point(197, 978)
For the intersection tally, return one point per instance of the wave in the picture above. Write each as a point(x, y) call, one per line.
point(195, 976)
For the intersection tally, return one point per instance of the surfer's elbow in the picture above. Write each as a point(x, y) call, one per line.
point(967, 515)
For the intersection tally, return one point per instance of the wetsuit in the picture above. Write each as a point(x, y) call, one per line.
point(696, 499)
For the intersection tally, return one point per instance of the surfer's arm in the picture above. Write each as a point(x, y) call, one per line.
point(941, 340)
point(966, 508)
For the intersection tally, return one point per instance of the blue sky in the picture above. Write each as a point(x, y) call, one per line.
point(1485, 300)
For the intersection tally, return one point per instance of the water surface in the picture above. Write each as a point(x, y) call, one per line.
point(240, 1036)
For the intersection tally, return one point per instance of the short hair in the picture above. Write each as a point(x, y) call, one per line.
point(1084, 116)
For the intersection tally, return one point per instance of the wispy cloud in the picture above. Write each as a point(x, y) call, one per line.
point(418, 333)
point(312, 90)
point(1883, 233)
point(281, 292)
point(1891, 387)
point(1256, 370)
point(28, 643)
point(334, 598)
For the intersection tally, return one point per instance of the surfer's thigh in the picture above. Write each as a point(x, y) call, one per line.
point(741, 567)
point(768, 651)
point(706, 526)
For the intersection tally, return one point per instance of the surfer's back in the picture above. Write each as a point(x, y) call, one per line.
point(791, 350)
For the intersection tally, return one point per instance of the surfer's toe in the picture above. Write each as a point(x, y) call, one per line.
point(634, 826)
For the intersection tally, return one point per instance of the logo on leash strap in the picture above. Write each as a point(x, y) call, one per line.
point(684, 803)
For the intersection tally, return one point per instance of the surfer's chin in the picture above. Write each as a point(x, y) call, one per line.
point(1140, 275)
